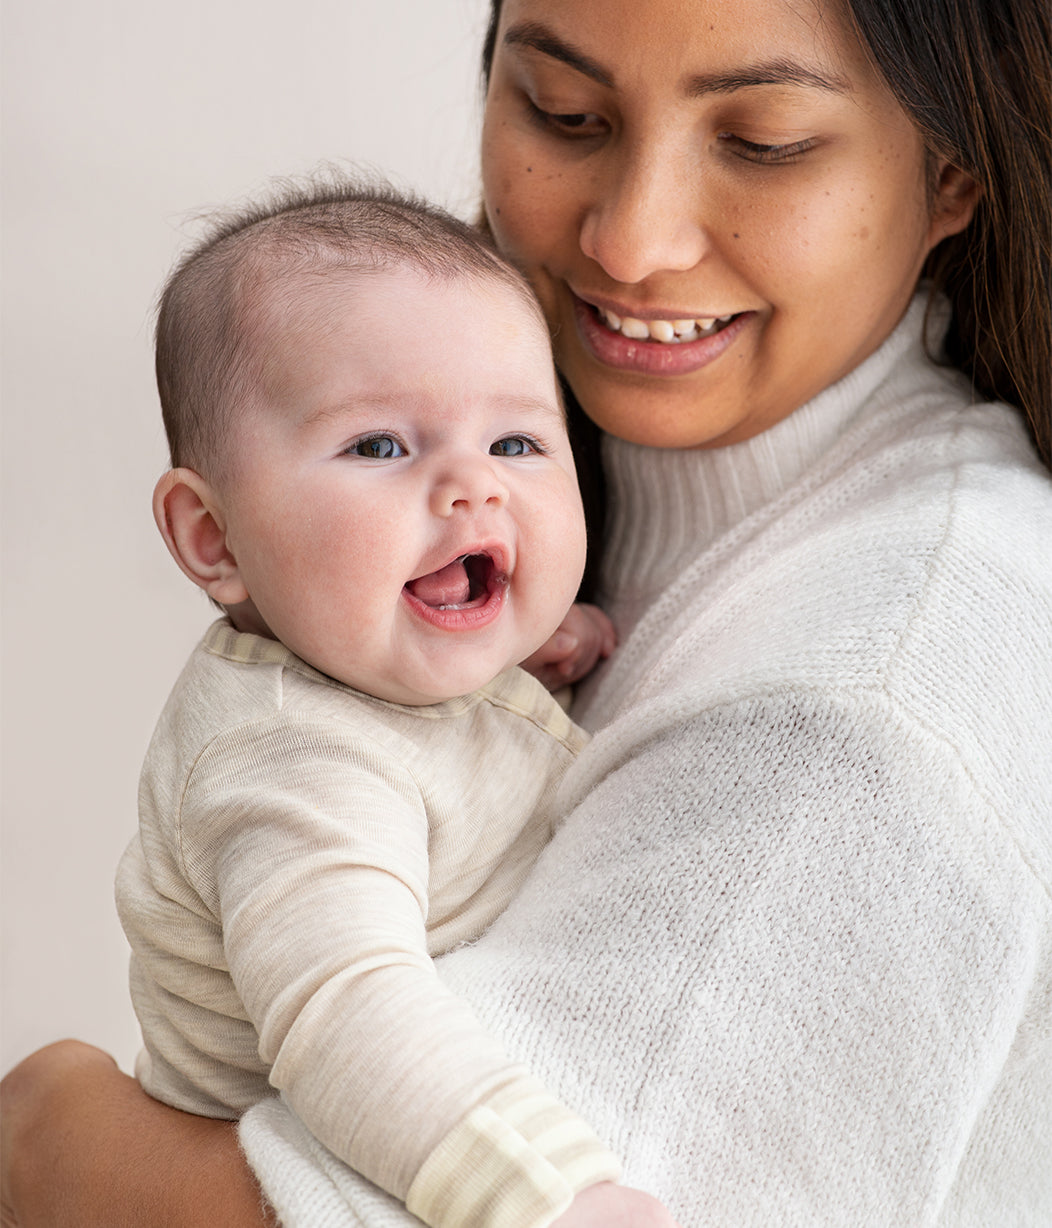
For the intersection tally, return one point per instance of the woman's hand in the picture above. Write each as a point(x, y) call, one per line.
point(607, 1205)
point(585, 636)
point(83, 1144)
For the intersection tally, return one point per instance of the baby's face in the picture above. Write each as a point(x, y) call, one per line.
point(403, 507)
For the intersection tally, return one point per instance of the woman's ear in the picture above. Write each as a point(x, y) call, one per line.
point(953, 204)
point(191, 521)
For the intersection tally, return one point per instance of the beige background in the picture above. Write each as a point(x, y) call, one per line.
point(120, 119)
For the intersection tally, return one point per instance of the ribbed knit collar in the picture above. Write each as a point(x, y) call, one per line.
point(666, 505)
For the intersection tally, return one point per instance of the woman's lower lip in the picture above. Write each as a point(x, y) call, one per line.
point(651, 357)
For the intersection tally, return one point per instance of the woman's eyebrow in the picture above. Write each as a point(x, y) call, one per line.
point(540, 38)
point(770, 72)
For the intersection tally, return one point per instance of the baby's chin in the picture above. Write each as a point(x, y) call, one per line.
point(420, 686)
point(413, 680)
point(420, 692)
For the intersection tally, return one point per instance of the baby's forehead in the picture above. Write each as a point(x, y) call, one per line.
point(287, 311)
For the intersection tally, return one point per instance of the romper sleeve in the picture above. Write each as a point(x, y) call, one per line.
point(313, 843)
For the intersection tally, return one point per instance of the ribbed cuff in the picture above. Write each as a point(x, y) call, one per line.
point(515, 1161)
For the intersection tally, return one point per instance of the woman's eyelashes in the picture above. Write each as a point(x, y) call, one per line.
point(575, 125)
point(766, 155)
point(584, 125)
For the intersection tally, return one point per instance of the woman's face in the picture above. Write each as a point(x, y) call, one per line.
point(720, 205)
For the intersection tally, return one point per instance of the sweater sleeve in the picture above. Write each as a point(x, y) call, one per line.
point(835, 1005)
point(315, 846)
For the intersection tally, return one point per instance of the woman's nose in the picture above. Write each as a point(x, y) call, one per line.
point(646, 219)
point(467, 484)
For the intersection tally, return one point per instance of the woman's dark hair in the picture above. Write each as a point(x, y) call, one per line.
point(974, 76)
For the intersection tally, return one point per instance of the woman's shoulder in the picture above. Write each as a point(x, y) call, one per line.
point(918, 565)
point(949, 525)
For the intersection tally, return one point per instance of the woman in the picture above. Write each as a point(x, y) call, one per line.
point(790, 950)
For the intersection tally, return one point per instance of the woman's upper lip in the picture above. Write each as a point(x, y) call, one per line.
point(639, 312)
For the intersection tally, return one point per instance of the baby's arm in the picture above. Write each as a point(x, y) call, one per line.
point(321, 877)
point(585, 637)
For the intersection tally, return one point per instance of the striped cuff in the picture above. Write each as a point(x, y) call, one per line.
point(515, 1161)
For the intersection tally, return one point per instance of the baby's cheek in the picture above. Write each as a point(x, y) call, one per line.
point(569, 543)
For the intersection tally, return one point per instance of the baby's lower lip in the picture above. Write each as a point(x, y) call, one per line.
point(470, 617)
point(467, 593)
point(647, 356)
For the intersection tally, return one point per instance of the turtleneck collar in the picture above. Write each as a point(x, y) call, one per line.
point(665, 506)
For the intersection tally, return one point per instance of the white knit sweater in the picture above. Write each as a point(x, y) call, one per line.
point(791, 951)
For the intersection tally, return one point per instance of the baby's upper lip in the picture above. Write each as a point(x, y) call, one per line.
point(497, 552)
point(640, 312)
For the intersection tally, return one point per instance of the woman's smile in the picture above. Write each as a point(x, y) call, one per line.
point(667, 345)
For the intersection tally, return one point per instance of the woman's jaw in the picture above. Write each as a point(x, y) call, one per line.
point(665, 394)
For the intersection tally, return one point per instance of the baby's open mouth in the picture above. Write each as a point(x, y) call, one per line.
point(669, 332)
point(459, 585)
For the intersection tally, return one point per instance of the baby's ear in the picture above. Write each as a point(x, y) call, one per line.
point(191, 521)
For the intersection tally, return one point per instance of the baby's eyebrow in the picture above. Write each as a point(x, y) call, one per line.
point(369, 406)
point(324, 414)
point(534, 406)
point(541, 405)
point(356, 407)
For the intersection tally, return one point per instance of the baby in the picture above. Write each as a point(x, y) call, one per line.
point(372, 477)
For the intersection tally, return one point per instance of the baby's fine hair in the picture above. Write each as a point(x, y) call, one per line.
point(204, 359)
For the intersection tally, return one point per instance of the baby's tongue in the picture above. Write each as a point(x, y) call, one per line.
point(448, 586)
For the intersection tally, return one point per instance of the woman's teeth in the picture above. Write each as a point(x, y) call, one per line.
point(674, 331)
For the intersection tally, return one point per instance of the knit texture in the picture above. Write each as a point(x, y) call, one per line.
point(790, 951)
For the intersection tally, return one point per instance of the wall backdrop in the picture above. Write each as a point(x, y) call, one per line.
point(122, 121)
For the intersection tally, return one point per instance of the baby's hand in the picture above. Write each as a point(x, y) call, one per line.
point(584, 636)
point(614, 1206)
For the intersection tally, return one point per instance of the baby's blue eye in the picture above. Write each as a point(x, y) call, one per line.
point(377, 447)
point(514, 445)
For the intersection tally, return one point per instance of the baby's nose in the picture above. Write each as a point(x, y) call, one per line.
point(467, 485)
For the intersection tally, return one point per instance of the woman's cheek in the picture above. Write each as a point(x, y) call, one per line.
point(512, 211)
point(525, 230)
point(500, 160)
point(787, 242)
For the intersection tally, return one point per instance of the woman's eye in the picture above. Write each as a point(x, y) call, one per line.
point(572, 124)
point(754, 151)
point(377, 447)
point(514, 445)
